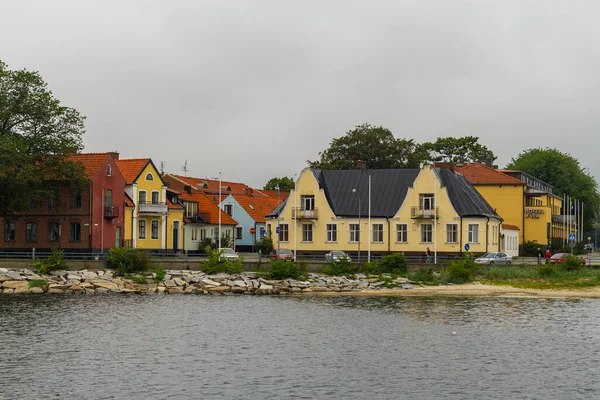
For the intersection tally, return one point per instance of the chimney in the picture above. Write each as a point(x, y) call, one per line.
point(360, 164)
point(188, 189)
point(488, 162)
point(248, 191)
point(114, 155)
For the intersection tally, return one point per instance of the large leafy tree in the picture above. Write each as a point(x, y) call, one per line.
point(285, 184)
point(463, 149)
point(376, 146)
point(565, 173)
point(37, 134)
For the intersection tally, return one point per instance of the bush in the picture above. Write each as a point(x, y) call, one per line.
point(216, 264)
point(530, 248)
point(570, 264)
point(462, 271)
point(264, 245)
point(281, 269)
point(339, 268)
point(546, 270)
point(127, 261)
point(371, 268)
point(206, 244)
point(423, 274)
point(159, 274)
point(393, 264)
point(38, 283)
point(56, 261)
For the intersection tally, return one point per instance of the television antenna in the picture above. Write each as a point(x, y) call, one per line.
point(162, 167)
point(185, 168)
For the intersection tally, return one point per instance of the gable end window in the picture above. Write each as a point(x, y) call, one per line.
point(109, 170)
point(149, 177)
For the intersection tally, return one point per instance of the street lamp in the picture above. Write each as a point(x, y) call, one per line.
point(220, 209)
point(356, 192)
point(278, 225)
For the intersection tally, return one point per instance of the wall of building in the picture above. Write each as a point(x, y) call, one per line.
point(508, 202)
point(175, 215)
point(245, 221)
point(155, 185)
point(191, 244)
point(510, 242)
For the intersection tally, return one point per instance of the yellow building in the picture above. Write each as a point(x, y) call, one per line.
point(154, 220)
point(521, 200)
point(408, 210)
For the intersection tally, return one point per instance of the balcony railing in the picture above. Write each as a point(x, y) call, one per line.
point(111, 212)
point(153, 208)
point(422, 213)
point(300, 213)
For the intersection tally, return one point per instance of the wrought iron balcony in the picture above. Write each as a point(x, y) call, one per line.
point(111, 212)
point(153, 208)
point(300, 213)
point(423, 213)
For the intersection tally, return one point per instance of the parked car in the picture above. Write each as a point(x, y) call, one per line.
point(561, 257)
point(282, 254)
point(336, 255)
point(229, 254)
point(494, 257)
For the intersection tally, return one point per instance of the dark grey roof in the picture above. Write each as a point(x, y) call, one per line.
point(277, 210)
point(388, 190)
point(466, 200)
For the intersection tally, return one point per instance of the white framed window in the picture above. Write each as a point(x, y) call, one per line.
point(194, 234)
point(378, 233)
point(451, 233)
point(473, 233)
point(228, 208)
point(109, 170)
point(142, 229)
point(354, 232)
point(332, 232)
point(307, 232)
point(142, 197)
point(155, 197)
point(284, 232)
point(149, 177)
point(401, 233)
point(202, 234)
point(239, 233)
point(426, 233)
point(426, 201)
point(307, 202)
point(154, 229)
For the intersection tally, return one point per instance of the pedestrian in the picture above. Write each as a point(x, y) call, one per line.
point(548, 255)
point(428, 255)
point(539, 255)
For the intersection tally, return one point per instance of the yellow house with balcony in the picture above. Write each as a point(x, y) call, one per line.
point(408, 211)
point(154, 220)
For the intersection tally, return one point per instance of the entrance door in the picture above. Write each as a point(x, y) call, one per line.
point(118, 236)
point(175, 235)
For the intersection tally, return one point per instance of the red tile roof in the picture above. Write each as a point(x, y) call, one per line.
point(128, 201)
point(90, 161)
point(211, 185)
point(208, 209)
point(510, 227)
point(481, 174)
point(256, 206)
point(273, 194)
point(131, 168)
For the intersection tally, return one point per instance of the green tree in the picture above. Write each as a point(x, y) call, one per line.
point(285, 184)
point(376, 146)
point(464, 149)
point(564, 172)
point(37, 134)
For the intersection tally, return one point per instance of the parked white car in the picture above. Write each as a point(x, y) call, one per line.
point(229, 254)
point(494, 258)
point(336, 255)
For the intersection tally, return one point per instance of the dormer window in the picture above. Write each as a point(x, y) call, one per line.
point(109, 170)
point(149, 177)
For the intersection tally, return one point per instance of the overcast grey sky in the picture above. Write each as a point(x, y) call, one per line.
point(255, 88)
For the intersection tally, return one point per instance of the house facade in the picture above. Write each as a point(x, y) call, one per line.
point(408, 211)
point(76, 219)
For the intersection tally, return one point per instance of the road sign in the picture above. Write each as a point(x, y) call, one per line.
point(253, 230)
point(572, 237)
point(467, 247)
point(277, 230)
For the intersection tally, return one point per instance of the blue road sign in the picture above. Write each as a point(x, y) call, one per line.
point(277, 230)
point(572, 237)
point(467, 247)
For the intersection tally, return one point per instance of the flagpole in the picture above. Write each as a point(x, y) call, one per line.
point(564, 215)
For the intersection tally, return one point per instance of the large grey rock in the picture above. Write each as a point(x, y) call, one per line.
point(89, 275)
point(169, 283)
point(72, 282)
point(3, 270)
point(57, 286)
point(59, 273)
point(102, 284)
point(14, 275)
point(264, 286)
point(15, 284)
point(210, 282)
point(4, 278)
point(180, 282)
point(74, 277)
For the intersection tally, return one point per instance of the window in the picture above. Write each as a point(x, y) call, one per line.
point(191, 209)
point(53, 231)
point(332, 232)
point(109, 170)
point(202, 234)
point(228, 208)
point(194, 235)
point(239, 232)
point(149, 177)
point(31, 232)
point(10, 230)
point(215, 232)
point(107, 198)
point(354, 232)
point(74, 232)
point(142, 197)
point(53, 199)
point(154, 229)
point(142, 229)
point(155, 197)
point(284, 233)
point(426, 201)
point(378, 233)
point(401, 233)
point(473, 233)
point(307, 202)
point(451, 233)
point(269, 231)
point(307, 232)
point(426, 233)
point(75, 198)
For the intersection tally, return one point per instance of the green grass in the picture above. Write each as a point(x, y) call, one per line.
point(37, 283)
point(543, 277)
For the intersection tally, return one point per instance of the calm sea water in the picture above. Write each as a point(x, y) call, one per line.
point(221, 347)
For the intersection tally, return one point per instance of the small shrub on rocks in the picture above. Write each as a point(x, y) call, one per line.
point(127, 261)
point(264, 245)
point(423, 274)
point(462, 271)
point(159, 274)
point(340, 267)
point(56, 261)
point(215, 263)
point(393, 264)
point(371, 268)
point(37, 283)
point(281, 269)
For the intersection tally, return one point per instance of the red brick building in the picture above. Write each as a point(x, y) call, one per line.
point(85, 219)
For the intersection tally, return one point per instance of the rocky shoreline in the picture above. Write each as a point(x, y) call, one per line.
point(24, 281)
